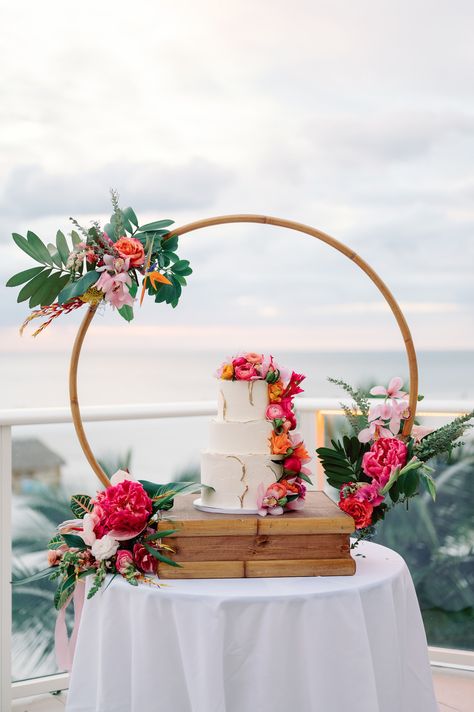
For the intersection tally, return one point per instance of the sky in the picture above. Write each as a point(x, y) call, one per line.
point(355, 118)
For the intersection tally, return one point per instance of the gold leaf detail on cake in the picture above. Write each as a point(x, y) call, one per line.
point(224, 405)
point(250, 390)
point(277, 475)
point(242, 479)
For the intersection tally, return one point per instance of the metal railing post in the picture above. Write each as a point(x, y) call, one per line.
point(5, 566)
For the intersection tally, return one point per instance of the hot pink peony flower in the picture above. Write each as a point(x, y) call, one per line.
point(274, 412)
point(123, 561)
point(123, 510)
point(144, 560)
point(245, 372)
point(239, 361)
point(385, 455)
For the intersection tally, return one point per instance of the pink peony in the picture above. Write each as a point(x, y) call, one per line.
point(274, 412)
point(123, 561)
point(122, 510)
point(245, 372)
point(385, 455)
point(144, 560)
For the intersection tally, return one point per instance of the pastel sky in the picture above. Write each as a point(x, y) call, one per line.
point(356, 118)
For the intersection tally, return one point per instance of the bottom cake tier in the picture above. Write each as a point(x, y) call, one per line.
point(235, 479)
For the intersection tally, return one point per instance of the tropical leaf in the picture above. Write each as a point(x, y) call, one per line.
point(24, 245)
point(39, 248)
point(76, 238)
point(76, 289)
point(129, 214)
point(163, 495)
point(44, 573)
point(55, 542)
point(48, 292)
point(24, 276)
point(81, 505)
point(55, 256)
point(62, 247)
point(161, 534)
point(126, 312)
point(64, 590)
point(33, 285)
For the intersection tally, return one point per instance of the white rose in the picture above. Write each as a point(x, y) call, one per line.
point(104, 548)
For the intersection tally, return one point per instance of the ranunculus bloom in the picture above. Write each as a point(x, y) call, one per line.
point(361, 512)
point(384, 456)
point(292, 463)
point(245, 372)
point(123, 561)
point(104, 548)
point(254, 358)
point(144, 560)
point(274, 411)
point(227, 372)
point(275, 391)
point(123, 510)
point(279, 444)
point(131, 248)
point(239, 361)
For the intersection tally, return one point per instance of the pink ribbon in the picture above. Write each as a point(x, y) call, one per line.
point(65, 646)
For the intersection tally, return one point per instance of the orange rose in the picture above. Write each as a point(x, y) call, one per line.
point(279, 444)
point(301, 452)
point(132, 248)
point(275, 391)
point(227, 372)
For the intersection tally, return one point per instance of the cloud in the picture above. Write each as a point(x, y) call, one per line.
point(30, 190)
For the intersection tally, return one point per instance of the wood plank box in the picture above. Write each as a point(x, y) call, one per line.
point(311, 542)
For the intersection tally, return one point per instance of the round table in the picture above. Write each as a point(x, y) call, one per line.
point(328, 644)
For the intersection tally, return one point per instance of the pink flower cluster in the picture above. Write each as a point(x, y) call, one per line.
point(251, 366)
point(385, 417)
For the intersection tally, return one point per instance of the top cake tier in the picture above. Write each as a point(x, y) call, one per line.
point(242, 401)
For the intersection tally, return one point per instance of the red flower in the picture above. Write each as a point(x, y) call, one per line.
point(385, 455)
point(122, 510)
point(144, 560)
point(293, 387)
point(292, 463)
point(361, 512)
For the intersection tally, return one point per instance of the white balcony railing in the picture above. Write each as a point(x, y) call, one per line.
point(312, 413)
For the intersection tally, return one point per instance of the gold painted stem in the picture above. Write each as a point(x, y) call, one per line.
point(332, 242)
point(75, 410)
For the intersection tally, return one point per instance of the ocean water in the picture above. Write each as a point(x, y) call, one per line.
point(164, 448)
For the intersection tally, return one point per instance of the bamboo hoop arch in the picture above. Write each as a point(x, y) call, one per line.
point(279, 222)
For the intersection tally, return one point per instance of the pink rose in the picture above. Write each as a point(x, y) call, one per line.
point(123, 561)
point(123, 510)
point(292, 463)
point(144, 560)
point(245, 372)
point(385, 455)
point(274, 411)
point(254, 358)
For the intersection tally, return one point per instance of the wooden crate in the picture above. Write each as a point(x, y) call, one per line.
point(312, 542)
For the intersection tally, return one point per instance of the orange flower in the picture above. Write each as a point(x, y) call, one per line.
point(301, 452)
point(290, 487)
point(279, 444)
point(132, 248)
point(275, 391)
point(227, 372)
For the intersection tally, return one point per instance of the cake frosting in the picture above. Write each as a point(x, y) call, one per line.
point(255, 461)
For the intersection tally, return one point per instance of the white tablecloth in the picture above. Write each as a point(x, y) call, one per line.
point(334, 644)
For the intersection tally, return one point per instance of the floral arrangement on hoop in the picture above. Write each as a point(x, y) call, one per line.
point(103, 265)
point(115, 533)
point(288, 493)
point(377, 468)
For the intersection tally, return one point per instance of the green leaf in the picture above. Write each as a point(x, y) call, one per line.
point(31, 287)
point(411, 483)
point(76, 238)
point(429, 484)
point(21, 277)
point(39, 248)
point(160, 557)
point(55, 542)
point(163, 495)
point(74, 541)
point(157, 225)
point(181, 279)
point(64, 590)
point(47, 294)
point(76, 289)
point(305, 478)
point(162, 534)
point(170, 244)
point(81, 505)
point(129, 214)
point(44, 573)
point(62, 246)
point(24, 245)
point(55, 256)
point(127, 311)
point(180, 265)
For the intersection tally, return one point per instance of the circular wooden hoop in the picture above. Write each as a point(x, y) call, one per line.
point(291, 225)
